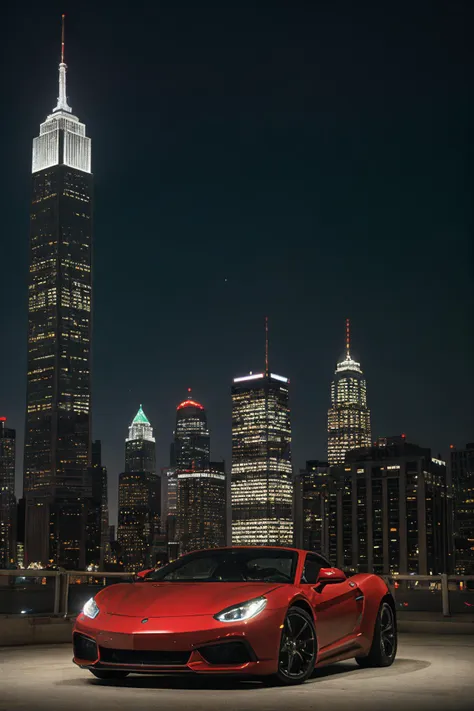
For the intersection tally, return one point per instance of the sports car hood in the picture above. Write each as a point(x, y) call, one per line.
point(177, 599)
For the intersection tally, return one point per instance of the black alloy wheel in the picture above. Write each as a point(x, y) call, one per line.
point(384, 644)
point(298, 648)
point(109, 674)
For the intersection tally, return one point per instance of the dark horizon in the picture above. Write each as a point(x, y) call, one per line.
point(305, 163)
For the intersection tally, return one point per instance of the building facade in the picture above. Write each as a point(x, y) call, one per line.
point(139, 496)
point(201, 509)
point(348, 417)
point(98, 510)
point(169, 519)
point(462, 473)
point(389, 510)
point(311, 522)
point(262, 483)
point(8, 508)
point(57, 432)
point(220, 466)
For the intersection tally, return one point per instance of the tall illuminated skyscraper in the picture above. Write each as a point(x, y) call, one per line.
point(348, 416)
point(139, 496)
point(140, 445)
point(57, 432)
point(191, 446)
point(197, 491)
point(262, 483)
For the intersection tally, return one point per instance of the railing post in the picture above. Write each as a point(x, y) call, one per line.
point(64, 593)
point(57, 593)
point(445, 594)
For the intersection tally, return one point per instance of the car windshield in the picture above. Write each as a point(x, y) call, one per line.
point(252, 565)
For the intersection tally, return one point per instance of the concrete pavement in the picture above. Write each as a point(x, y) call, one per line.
point(432, 673)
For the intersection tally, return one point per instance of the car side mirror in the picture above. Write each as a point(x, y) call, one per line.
point(330, 575)
point(141, 575)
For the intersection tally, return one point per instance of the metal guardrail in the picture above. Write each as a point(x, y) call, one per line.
point(65, 584)
point(63, 580)
point(446, 584)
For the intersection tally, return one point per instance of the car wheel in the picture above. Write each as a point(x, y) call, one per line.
point(384, 644)
point(298, 648)
point(109, 674)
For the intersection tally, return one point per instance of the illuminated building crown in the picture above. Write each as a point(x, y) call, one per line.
point(75, 149)
point(140, 427)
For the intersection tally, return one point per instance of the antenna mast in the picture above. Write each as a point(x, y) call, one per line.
point(267, 370)
point(62, 38)
point(348, 338)
point(62, 104)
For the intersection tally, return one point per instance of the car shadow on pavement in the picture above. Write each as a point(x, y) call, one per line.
point(231, 683)
point(400, 666)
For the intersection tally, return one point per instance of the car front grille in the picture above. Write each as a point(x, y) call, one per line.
point(138, 657)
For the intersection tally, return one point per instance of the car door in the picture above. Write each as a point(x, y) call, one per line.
point(335, 604)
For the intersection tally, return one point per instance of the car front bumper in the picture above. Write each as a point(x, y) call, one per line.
point(171, 645)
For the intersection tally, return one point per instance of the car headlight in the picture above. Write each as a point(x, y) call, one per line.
point(244, 611)
point(90, 609)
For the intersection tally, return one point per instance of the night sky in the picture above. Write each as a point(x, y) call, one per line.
point(305, 161)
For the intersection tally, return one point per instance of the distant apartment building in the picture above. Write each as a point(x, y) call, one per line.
point(8, 508)
point(462, 474)
point(387, 509)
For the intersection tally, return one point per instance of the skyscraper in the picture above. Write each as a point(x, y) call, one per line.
point(262, 484)
point(196, 493)
point(7, 495)
point(462, 472)
point(140, 445)
point(139, 496)
point(57, 432)
point(191, 446)
point(348, 416)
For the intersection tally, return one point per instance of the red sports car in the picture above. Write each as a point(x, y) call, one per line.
point(274, 612)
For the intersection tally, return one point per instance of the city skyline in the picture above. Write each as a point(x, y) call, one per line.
point(409, 391)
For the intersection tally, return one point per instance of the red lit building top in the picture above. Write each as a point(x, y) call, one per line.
point(189, 403)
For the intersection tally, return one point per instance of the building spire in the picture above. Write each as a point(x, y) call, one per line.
point(348, 339)
point(267, 367)
point(62, 38)
point(62, 104)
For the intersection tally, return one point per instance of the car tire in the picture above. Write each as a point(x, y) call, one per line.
point(109, 674)
point(298, 649)
point(384, 644)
